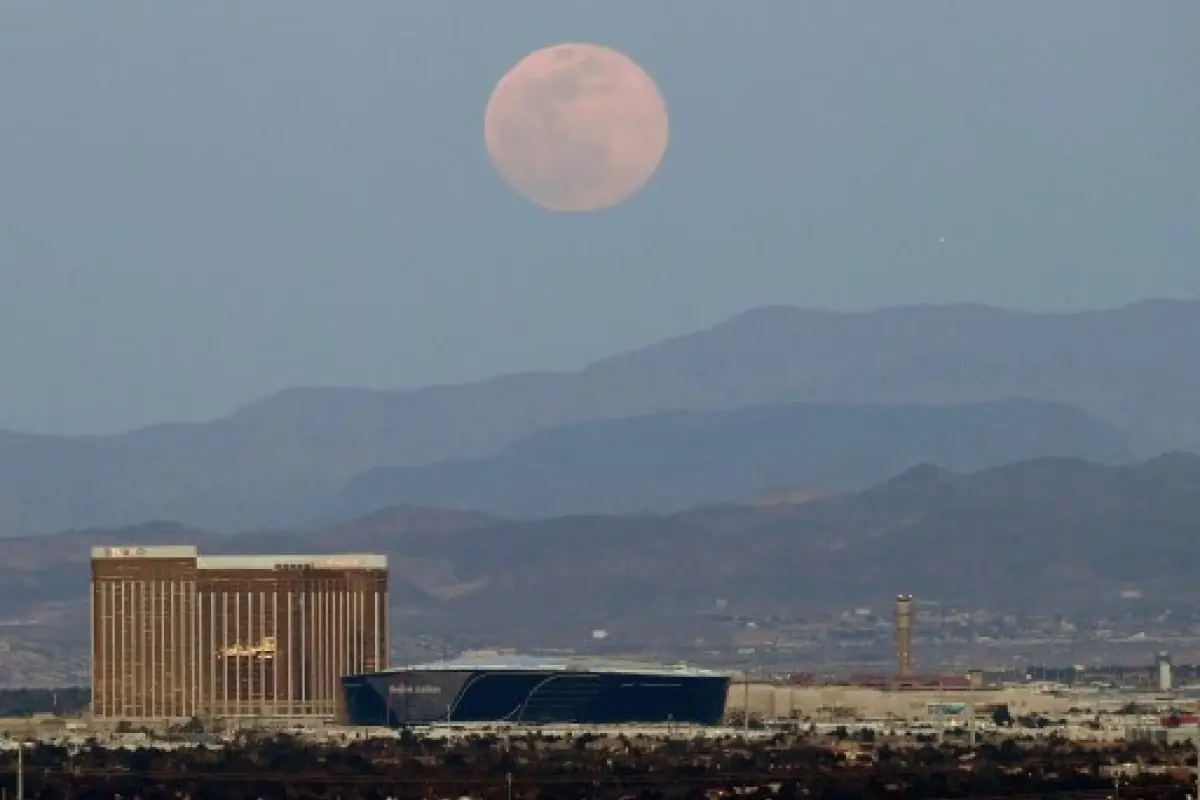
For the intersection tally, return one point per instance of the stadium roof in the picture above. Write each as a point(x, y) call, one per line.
point(526, 663)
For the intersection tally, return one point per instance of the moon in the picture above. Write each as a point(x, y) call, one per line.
point(576, 127)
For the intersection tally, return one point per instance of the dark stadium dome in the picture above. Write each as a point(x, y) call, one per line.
point(534, 690)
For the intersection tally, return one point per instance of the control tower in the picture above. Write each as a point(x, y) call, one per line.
point(903, 623)
point(1163, 664)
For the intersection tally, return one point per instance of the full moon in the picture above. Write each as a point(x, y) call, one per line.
point(576, 127)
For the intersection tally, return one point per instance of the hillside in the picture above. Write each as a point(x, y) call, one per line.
point(1046, 534)
point(672, 460)
point(1049, 535)
point(271, 463)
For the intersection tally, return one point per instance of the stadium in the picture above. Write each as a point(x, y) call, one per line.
point(534, 690)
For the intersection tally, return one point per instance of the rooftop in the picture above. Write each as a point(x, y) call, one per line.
point(530, 663)
point(340, 561)
point(327, 561)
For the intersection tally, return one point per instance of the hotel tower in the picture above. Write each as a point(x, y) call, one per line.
point(178, 635)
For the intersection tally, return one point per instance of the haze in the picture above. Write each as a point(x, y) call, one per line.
point(202, 204)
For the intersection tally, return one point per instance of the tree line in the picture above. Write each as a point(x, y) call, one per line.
point(588, 766)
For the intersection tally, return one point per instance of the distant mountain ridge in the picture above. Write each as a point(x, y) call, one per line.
point(672, 460)
point(1049, 535)
point(270, 463)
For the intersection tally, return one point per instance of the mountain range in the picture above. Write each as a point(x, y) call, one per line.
point(293, 457)
point(672, 460)
point(1044, 534)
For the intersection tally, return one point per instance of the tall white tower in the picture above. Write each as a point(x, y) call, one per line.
point(1163, 662)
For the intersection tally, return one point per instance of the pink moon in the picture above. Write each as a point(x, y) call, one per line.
point(576, 127)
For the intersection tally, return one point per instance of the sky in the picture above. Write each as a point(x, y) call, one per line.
point(204, 203)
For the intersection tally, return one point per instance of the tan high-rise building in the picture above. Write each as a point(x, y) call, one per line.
point(176, 634)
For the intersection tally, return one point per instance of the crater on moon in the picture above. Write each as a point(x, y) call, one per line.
point(576, 127)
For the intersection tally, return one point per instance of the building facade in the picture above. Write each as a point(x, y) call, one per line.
point(530, 690)
point(178, 635)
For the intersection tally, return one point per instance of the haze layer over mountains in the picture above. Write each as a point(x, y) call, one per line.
point(834, 399)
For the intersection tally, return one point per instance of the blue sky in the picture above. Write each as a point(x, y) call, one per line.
point(201, 204)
